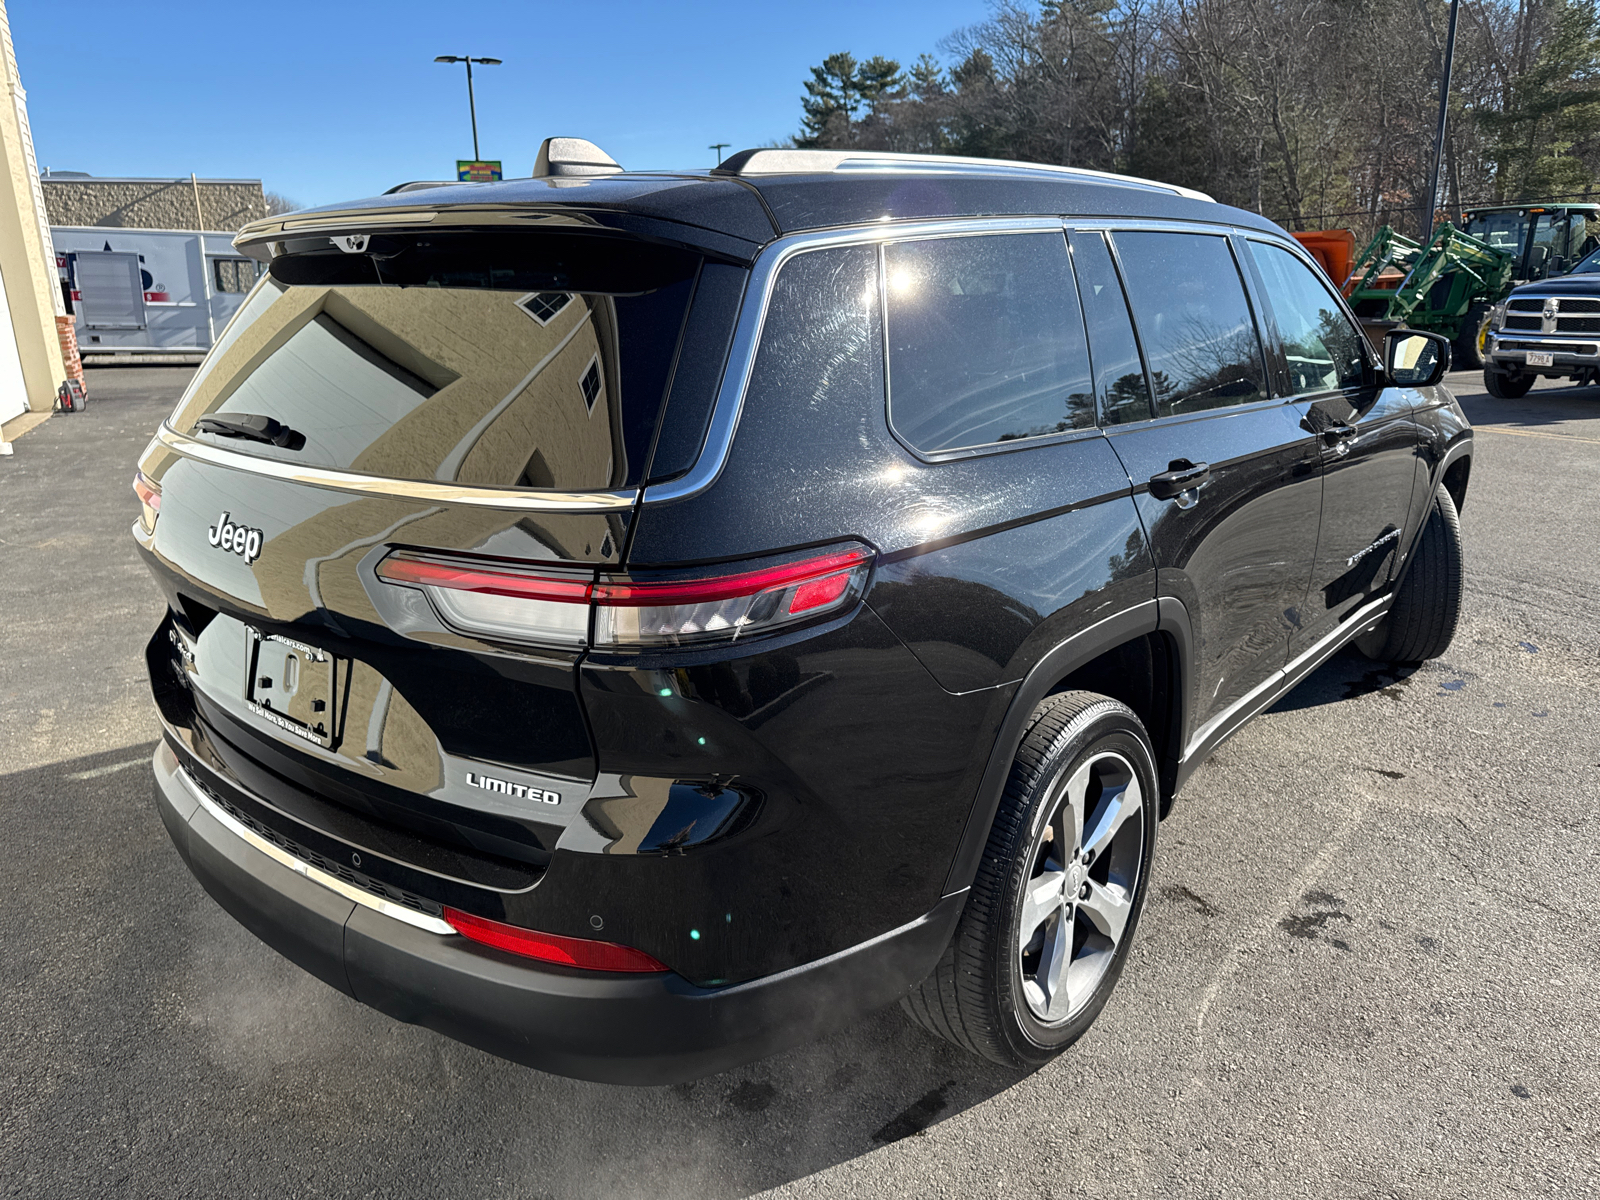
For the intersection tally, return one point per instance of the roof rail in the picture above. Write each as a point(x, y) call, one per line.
point(808, 162)
point(418, 185)
point(567, 156)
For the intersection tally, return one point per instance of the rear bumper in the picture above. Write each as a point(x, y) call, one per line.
point(636, 1029)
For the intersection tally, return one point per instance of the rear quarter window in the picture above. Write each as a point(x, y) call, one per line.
point(496, 360)
point(986, 341)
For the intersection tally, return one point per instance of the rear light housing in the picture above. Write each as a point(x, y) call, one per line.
point(545, 607)
point(149, 501)
point(551, 947)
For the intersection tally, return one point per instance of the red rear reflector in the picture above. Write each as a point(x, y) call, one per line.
point(551, 947)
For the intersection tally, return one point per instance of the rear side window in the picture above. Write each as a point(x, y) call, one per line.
point(986, 342)
point(1119, 375)
point(503, 360)
point(1195, 323)
point(1321, 347)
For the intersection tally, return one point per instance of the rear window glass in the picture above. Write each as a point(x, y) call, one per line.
point(1199, 336)
point(513, 360)
point(986, 341)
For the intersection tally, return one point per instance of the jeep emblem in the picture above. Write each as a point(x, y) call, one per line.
point(241, 539)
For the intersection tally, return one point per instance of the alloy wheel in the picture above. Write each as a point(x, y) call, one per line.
point(1087, 859)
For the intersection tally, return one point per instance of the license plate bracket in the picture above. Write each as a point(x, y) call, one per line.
point(1541, 358)
point(294, 687)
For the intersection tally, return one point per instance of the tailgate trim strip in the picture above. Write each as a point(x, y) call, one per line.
point(359, 895)
point(408, 489)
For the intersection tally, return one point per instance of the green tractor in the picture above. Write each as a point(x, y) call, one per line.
point(1451, 285)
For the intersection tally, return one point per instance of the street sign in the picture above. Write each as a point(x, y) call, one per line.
point(487, 171)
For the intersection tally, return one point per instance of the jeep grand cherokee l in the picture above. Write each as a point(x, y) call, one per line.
point(635, 622)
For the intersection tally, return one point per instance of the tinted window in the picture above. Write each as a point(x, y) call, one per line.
point(1194, 320)
point(986, 342)
point(498, 360)
point(1118, 373)
point(1322, 348)
point(695, 380)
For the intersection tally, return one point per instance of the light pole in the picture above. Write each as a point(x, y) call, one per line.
point(472, 105)
point(719, 147)
point(1444, 113)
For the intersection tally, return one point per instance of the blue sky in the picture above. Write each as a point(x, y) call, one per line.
point(337, 100)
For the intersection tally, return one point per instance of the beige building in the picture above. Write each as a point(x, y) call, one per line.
point(32, 365)
point(218, 205)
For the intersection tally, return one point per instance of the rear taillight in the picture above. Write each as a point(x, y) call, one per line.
point(501, 602)
point(551, 947)
point(541, 606)
point(149, 501)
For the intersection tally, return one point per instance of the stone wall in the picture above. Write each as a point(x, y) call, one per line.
point(226, 204)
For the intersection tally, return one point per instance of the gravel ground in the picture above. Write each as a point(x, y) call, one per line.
point(1369, 968)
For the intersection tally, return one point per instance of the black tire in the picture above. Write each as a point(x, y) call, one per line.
point(1467, 350)
point(1507, 387)
point(981, 996)
point(1427, 605)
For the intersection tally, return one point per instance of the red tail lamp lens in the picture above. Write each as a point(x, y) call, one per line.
point(149, 502)
point(148, 495)
point(551, 947)
point(819, 592)
point(532, 603)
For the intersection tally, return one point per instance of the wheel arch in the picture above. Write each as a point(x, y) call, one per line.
point(1138, 656)
point(1456, 474)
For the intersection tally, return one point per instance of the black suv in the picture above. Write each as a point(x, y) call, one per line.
point(1550, 327)
point(635, 622)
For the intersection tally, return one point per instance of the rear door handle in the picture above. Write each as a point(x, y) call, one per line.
point(1180, 476)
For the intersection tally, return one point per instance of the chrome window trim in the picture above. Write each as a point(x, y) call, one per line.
point(729, 405)
point(334, 884)
point(426, 491)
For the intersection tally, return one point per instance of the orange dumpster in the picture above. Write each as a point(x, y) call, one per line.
point(1334, 250)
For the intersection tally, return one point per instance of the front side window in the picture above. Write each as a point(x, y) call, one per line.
point(1321, 346)
point(1199, 336)
point(986, 342)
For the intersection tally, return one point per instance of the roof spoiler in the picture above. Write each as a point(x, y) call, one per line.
point(813, 162)
point(568, 157)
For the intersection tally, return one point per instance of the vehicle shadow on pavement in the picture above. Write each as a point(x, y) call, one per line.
point(1348, 675)
point(1542, 406)
point(178, 1047)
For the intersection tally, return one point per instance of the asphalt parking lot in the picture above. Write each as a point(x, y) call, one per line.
point(1371, 965)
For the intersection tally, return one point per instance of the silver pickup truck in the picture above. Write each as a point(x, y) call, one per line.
point(1548, 327)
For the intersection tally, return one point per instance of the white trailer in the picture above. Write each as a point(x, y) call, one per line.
point(150, 291)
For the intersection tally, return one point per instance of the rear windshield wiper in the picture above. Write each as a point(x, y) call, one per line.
point(255, 428)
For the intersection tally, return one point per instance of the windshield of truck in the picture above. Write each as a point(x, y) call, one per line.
point(514, 359)
point(1502, 230)
point(1548, 251)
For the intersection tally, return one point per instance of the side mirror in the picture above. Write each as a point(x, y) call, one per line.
point(1414, 358)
